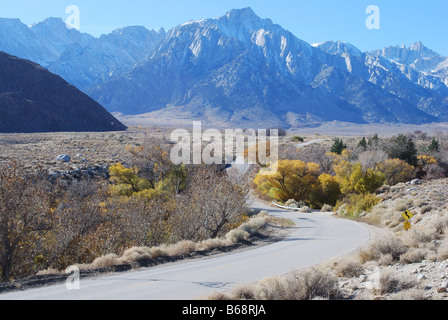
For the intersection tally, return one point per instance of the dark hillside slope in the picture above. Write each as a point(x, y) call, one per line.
point(32, 99)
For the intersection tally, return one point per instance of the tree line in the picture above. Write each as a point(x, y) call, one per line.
point(349, 176)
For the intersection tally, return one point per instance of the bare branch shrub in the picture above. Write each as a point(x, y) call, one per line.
point(319, 155)
point(215, 202)
point(371, 158)
point(24, 222)
point(83, 226)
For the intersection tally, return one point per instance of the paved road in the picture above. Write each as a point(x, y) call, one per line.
point(318, 238)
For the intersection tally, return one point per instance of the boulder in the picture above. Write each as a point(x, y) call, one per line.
point(64, 158)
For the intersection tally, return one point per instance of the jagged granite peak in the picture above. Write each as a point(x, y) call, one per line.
point(247, 27)
point(442, 70)
point(338, 47)
point(48, 24)
point(79, 58)
point(419, 64)
point(138, 41)
point(108, 56)
point(243, 14)
point(417, 56)
point(133, 33)
point(55, 34)
point(42, 42)
point(213, 41)
point(416, 50)
point(34, 100)
point(241, 20)
point(420, 47)
point(16, 38)
point(55, 29)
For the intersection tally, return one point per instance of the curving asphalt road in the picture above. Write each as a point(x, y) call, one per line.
point(317, 239)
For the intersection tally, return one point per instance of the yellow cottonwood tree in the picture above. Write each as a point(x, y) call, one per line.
point(127, 181)
point(327, 191)
point(353, 179)
point(294, 180)
point(396, 170)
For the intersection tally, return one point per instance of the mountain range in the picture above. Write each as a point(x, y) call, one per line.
point(238, 70)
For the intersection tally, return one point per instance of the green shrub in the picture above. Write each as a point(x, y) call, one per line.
point(403, 148)
point(298, 139)
point(338, 146)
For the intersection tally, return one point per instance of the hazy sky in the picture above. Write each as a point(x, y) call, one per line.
point(401, 21)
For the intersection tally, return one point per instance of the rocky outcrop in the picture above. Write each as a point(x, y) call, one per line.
point(81, 173)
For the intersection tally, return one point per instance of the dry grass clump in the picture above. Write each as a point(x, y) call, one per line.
point(348, 268)
point(426, 209)
point(389, 282)
point(254, 224)
point(305, 209)
point(402, 205)
point(388, 214)
point(327, 208)
point(418, 237)
point(440, 225)
point(278, 288)
point(418, 203)
point(280, 222)
point(385, 251)
point(103, 262)
point(49, 271)
point(415, 255)
point(180, 248)
point(413, 294)
point(237, 235)
point(302, 285)
point(245, 292)
point(442, 251)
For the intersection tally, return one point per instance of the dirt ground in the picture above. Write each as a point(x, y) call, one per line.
point(86, 149)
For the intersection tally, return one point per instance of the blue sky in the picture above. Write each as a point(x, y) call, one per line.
point(402, 21)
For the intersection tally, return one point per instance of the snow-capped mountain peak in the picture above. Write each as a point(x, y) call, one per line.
point(242, 23)
point(338, 47)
